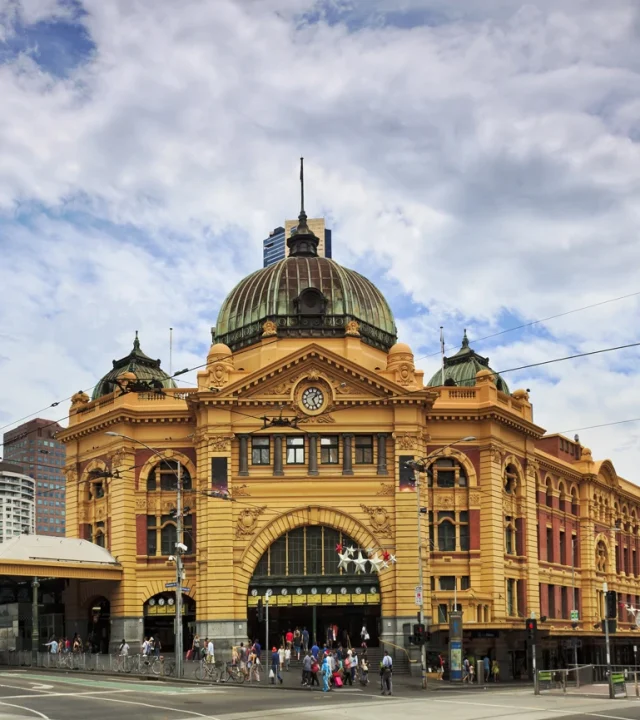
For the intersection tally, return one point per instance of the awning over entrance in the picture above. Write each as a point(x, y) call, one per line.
point(44, 556)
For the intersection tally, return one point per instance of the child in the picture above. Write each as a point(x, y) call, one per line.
point(364, 670)
point(281, 654)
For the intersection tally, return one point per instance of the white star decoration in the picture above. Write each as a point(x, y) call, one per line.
point(392, 559)
point(351, 551)
point(376, 563)
point(344, 560)
point(631, 610)
point(360, 563)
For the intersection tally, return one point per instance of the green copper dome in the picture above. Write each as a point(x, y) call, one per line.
point(145, 368)
point(305, 296)
point(461, 369)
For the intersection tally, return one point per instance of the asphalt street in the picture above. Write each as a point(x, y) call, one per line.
point(49, 696)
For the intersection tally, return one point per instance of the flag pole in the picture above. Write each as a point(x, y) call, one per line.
point(442, 351)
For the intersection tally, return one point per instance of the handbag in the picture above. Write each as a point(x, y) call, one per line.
point(189, 654)
point(271, 674)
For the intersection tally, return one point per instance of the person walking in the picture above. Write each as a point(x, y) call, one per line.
point(211, 657)
point(354, 666)
point(275, 666)
point(305, 639)
point(124, 648)
point(195, 648)
point(364, 636)
point(487, 668)
point(287, 658)
point(326, 673)
point(281, 654)
point(346, 666)
point(495, 671)
point(315, 669)
point(465, 670)
point(297, 642)
point(306, 669)
point(387, 669)
point(315, 650)
point(52, 645)
point(440, 667)
point(157, 645)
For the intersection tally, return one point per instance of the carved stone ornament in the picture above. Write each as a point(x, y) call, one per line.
point(313, 375)
point(247, 520)
point(386, 489)
point(406, 442)
point(320, 419)
point(118, 458)
point(405, 374)
point(352, 329)
point(269, 328)
point(240, 491)
point(446, 500)
point(220, 443)
point(80, 399)
point(496, 456)
point(379, 519)
point(141, 504)
point(167, 505)
point(279, 389)
point(474, 499)
point(219, 374)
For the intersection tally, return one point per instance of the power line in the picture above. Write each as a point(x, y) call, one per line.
point(591, 427)
point(536, 322)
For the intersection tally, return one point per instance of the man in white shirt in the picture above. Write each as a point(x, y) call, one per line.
point(210, 653)
point(53, 646)
point(387, 667)
point(124, 648)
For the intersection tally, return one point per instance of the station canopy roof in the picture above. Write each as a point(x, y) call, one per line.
point(55, 549)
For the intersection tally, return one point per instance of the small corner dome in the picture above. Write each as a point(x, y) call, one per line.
point(400, 348)
point(463, 368)
point(219, 350)
point(142, 367)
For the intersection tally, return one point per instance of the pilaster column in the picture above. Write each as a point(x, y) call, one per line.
point(313, 454)
point(382, 454)
point(243, 460)
point(347, 455)
point(277, 455)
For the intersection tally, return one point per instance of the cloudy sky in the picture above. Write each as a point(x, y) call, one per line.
point(478, 159)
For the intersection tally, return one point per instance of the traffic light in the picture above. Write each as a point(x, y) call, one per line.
point(611, 604)
point(419, 634)
point(260, 610)
point(532, 628)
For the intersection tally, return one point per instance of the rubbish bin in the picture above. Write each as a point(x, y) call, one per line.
point(480, 672)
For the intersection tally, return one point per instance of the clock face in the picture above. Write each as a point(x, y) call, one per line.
point(312, 398)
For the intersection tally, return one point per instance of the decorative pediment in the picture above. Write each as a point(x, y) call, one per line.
point(344, 379)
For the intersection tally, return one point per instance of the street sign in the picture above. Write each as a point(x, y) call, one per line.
point(575, 616)
point(171, 585)
point(185, 589)
point(419, 595)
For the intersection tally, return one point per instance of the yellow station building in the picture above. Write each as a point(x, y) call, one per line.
point(295, 441)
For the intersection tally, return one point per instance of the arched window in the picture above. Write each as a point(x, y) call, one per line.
point(446, 532)
point(99, 537)
point(309, 550)
point(510, 536)
point(601, 557)
point(446, 472)
point(168, 536)
point(510, 479)
point(549, 494)
point(164, 476)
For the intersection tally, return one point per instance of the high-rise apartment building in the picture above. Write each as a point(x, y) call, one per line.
point(275, 246)
point(17, 502)
point(33, 446)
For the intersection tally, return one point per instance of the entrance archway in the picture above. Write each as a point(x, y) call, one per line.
point(299, 573)
point(99, 625)
point(159, 619)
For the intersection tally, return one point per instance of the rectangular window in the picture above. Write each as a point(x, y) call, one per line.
point(463, 519)
point(511, 597)
point(563, 549)
point(447, 582)
point(551, 595)
point(329, 450)
point(279, 556)
point(295, 550)
point(442, 613)
point(549, 545)
point(465, 582)
point(314, 551)
point(295, 451)
point(564, 600)
point(260, 451)
point(364, 449)
point(574, 551)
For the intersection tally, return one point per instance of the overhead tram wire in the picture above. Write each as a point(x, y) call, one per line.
point(536, 322)
point(422, 357)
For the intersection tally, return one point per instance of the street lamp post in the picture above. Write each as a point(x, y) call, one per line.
point(420, 466)
point(180, 548)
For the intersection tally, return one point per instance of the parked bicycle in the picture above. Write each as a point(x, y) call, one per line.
point(232, 673)
point(209, 671)
point(123, 663)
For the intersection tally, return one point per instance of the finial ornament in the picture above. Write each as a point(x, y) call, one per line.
point(302, 240)
point(302, 186)
point(136, 342)
point(465, 339)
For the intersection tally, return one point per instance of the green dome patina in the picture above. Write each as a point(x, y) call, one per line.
point(145, 368)
point(462, 368)
point(305, 296)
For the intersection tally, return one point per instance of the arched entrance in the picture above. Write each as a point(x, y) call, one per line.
point(159, 619)
point(306, 588)
point(99, 625)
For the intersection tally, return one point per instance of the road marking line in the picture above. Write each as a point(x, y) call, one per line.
point(511, 707)
point(160, 707)
point(37, 712)
point(63, 694)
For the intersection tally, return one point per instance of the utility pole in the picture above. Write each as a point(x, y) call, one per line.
point(35, 622)
point(178, 633)
point(605, 589)
point(266, 639)
point(423, 647)
point(574, 608)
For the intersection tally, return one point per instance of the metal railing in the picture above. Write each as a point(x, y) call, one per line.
point(605, 680)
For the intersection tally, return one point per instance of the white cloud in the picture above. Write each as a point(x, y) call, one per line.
point(486, 163)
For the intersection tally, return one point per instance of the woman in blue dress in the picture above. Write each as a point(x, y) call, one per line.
point(326, 673)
